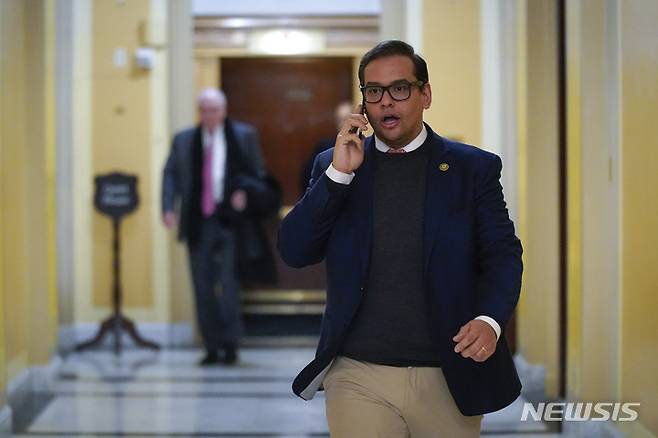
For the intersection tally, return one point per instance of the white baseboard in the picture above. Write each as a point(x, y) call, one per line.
point(5, 421)
point(38, 378)
point(533, 379)
point(35, 379)
point(43, 376)
point(178, 335)
point(19, 388)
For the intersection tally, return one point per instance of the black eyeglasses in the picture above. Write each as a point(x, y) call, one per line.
point(398, 91)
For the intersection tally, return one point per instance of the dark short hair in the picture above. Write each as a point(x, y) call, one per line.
point(393, 48)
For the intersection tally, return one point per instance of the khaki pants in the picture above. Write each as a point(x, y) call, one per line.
point(365, 400)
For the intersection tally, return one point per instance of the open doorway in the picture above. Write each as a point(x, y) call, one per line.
point(291, 101)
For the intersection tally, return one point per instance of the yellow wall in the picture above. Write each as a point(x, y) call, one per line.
point(13, 175)
point(120, 139)
point(612, 60)
point(40, 181)
point(639, 210)
point(206, 72)
point(120, 124)
point(27, 314)
point(451, 47)
point(3, 208)
point(593, 205)
point(537, 329)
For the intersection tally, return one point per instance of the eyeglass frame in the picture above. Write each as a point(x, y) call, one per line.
point(385, 89)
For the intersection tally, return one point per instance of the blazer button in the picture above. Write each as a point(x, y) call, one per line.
point(363, 288)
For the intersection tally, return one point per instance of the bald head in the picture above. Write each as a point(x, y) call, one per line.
point(212, 108)
point(342, 112)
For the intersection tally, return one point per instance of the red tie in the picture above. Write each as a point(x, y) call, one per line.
point(395, 151)
point(207, 198)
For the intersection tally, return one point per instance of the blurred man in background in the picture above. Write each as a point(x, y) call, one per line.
point(202, 177)
point(342, 111)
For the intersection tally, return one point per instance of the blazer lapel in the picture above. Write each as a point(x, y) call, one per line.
point(363, 186)
point(439, 192)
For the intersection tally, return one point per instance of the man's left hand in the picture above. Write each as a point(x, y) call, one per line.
point(239, 200)
point(476, 339)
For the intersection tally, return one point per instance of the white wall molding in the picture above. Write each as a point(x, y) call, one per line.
point(392, 21)
point(498, 79)
point(65, 188)
point(35, 379)
point(284, 7)
point(178, 335)
point(81, 158)
point(414, 24)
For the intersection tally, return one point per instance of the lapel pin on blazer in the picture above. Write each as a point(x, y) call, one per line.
point(443, 167)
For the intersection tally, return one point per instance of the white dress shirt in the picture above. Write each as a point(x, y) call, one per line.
point(218, 141)
point(346, 178)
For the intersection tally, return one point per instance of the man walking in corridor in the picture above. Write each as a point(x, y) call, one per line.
point(203, 172)
point(423, 267)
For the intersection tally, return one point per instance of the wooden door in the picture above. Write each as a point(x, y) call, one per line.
point(291, 101)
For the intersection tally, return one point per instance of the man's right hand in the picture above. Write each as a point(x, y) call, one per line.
point(348, 150)
point(169, 219)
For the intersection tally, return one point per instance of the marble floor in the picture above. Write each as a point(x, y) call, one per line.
point(146, 394)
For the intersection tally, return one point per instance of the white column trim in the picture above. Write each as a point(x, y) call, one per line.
point(81, 157)
point(392, 19)
point(65, 196)
point(498, 76)
point(414, 24)
point(492, 74)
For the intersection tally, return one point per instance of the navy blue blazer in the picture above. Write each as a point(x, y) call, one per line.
point(472, 263)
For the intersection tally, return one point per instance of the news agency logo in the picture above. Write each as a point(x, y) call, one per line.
point(580, 411)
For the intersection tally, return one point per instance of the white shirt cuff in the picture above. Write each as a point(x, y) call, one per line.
point(338, 176)
point(494, 325)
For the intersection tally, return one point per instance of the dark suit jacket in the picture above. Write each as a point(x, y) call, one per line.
point(472, 263)
point(244, 170)
point(320, 146)
point(179, 180)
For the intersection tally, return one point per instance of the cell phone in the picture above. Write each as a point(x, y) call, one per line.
point(363, 111)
